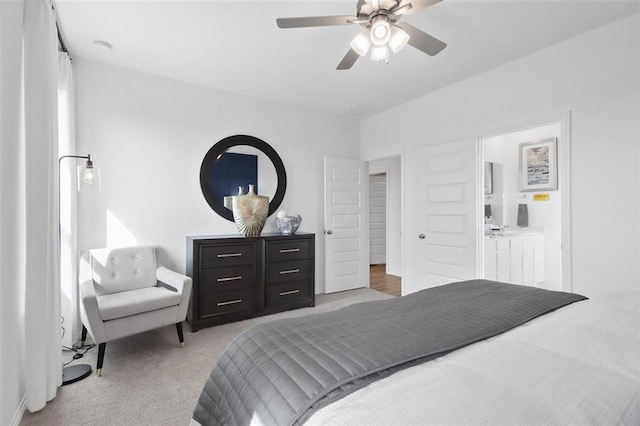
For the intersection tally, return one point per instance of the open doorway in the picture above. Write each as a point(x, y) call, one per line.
point(385, 254)
point(523, 206)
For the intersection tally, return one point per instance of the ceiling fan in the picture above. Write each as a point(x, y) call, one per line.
point(381, 33)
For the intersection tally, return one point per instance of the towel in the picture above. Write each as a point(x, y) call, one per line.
point(523, 215)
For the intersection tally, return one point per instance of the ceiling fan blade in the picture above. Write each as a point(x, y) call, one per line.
point(315, 21)
point(401, 9)
point(417, 5)
point(349, 59)
point(421, 40)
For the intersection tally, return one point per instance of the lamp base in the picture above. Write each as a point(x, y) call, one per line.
point(75, 373)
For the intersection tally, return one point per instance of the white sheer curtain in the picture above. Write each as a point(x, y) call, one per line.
point(43, 357)
point(68, 201)
point(12, 219)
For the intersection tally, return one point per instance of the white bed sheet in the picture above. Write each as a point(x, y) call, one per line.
point(579, 365)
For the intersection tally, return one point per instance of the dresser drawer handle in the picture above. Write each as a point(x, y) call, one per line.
point(229, 255)
point(289, 250)
point(221, 280)
point(290, 271)
point(230, 302)
point(285, 293)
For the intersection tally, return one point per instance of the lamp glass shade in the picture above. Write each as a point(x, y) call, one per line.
point(361, 43)
point(89, 179)
point(380, 31)
point(379, 53)
point(398, 40)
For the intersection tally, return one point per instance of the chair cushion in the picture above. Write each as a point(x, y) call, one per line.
point(123, 269)
point(127, 303)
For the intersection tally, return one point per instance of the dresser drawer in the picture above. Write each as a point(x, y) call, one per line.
point(288, 271)
point(227, 278)
point(287, 292)
point(282, 251)
point(227, 255)
point(212, 304)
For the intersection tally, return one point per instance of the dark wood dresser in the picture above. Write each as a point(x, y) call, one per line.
point(237, 277)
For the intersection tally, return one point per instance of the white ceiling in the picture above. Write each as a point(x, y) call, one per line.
point(236, 46)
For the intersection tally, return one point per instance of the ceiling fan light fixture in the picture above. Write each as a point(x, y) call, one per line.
point(361, 43)
point(379, 53)
point(398, 40)
point(380, 30)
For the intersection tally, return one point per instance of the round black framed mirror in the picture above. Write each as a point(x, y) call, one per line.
point(221, 173)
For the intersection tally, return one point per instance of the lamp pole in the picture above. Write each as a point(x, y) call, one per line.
point(73, 373)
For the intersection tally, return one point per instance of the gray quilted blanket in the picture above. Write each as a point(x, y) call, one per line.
point(278, 373)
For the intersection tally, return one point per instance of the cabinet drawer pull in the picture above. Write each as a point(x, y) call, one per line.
point(229, 255)
point(230, 302)
point(289, 271)
point(221, 280)
point(289, 250)
point(285, 293)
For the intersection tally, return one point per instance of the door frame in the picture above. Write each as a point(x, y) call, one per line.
point(399, 264)
point(564, 182)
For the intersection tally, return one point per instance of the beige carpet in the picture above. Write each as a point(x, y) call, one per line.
point(148, 379)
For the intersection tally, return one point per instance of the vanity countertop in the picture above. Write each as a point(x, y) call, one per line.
point(516, 232)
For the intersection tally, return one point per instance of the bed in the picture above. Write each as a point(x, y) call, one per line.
point(559, 359)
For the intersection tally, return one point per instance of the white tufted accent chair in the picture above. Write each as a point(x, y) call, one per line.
point(123, 291)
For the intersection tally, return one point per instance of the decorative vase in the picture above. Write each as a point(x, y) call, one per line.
point(228, 200)
point(250, 212)
point(288, 225)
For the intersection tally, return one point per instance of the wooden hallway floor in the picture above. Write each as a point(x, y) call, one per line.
point(381, 281)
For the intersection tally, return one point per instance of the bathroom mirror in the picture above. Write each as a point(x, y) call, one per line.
point(249, 161)
point(493, 192)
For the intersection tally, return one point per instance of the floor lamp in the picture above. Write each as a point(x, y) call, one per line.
point(88, 180)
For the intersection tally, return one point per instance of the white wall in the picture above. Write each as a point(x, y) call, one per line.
point(149, 135)
point(392, 167)
point(595, 76)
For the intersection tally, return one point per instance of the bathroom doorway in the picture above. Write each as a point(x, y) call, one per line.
point(523, 232)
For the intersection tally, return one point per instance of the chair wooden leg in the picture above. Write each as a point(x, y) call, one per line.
point(101, 349)
point(180, 335)
point(84, 335)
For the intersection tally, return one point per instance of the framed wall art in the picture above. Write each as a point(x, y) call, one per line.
point(539, 165)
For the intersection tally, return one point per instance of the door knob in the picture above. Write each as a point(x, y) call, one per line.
point(329, 232)
point(421, 236)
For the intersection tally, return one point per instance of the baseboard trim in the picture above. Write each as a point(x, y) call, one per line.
point(17, 417)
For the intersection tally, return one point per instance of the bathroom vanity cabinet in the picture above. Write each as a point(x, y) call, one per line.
point(516, 258)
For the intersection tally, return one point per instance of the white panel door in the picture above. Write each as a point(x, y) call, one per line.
point(378, 219)
point(441, 215)
point(345, 224)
